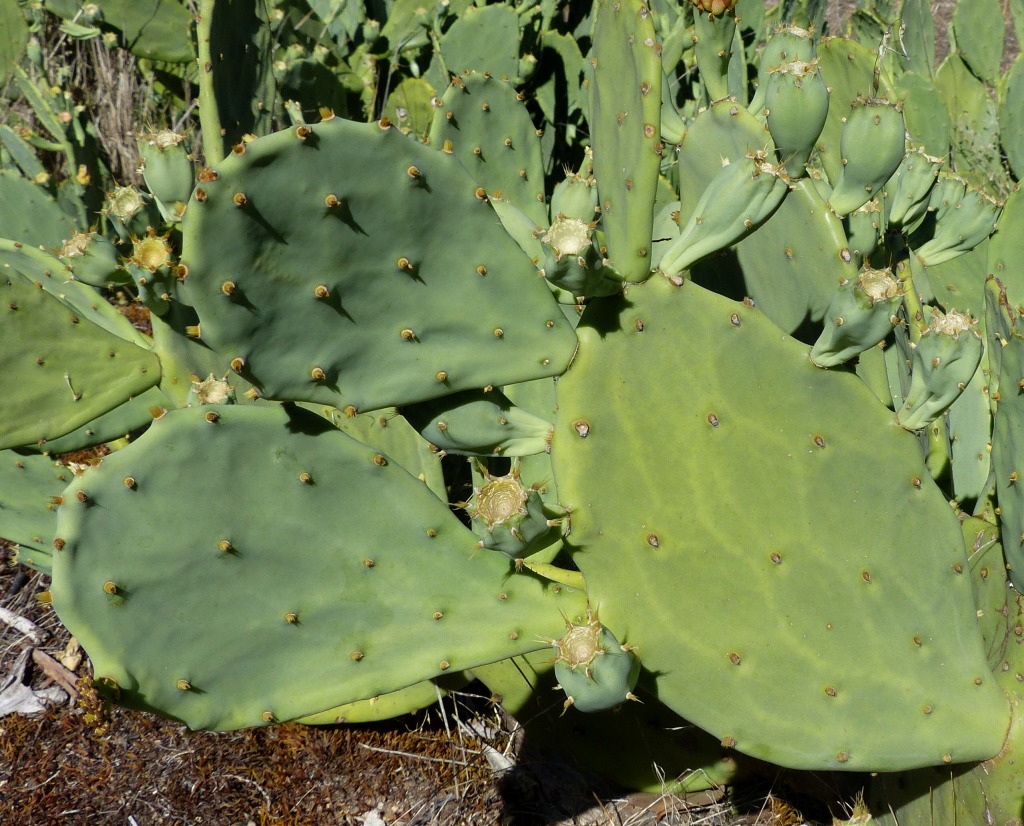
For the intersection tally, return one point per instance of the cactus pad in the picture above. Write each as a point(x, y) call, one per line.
point(261, 586)
point(324, 262)
point(892, 668)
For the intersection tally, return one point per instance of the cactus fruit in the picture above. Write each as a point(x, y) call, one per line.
point(796, 101)
point(592, 668)
point(872, 147)
point(510, 517)
point(908, 192)
point(944, 360)
point(741, 197)
point(962, 222)
point(714, 7)
point(787, 44)
point(861, 314)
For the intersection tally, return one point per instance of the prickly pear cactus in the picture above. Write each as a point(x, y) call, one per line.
point(733, 391)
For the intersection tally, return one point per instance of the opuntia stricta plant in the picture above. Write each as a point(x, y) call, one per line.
point(722, 315)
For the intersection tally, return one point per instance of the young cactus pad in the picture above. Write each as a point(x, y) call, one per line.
point(282, 569)
point(625, 114)
point(347, 264)
point(68, 353)
point(847, 568)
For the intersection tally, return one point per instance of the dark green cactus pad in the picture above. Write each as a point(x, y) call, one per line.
point(64, 361)
point(282, 569)
point(643, 746)
point(1005, 332)
point(29, 489)
point(153, 29)
point(925, 113)
point(979, 31)
point(242, 87)
point(28, 214)
point(847, 567)
point(1011, 115)
point(346, 264)
point(482, 39)
point(483, 121)
point(625, 118)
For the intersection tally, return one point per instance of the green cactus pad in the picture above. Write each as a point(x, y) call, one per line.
point(924, 111)
point(282, 569)
point(125, 419)
point(390, 433)
point(393, 704)
point(28, 214)
point(1011, 115)
point(918, 37)
point(411, 107)
point(323, 263)
point(30, 487)
point(970, 439)
point(979, 30)
point(483, 39)
point(625, 117)
point(1005, 333)
point(483, 121)
point(1005, 251)
point(726, 610)
point(68, 360)
point(975, 124)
